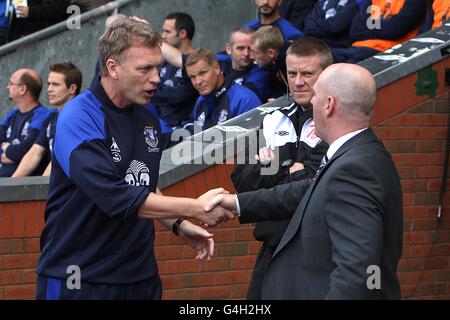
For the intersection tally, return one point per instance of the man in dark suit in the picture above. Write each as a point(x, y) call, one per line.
point(344, 240)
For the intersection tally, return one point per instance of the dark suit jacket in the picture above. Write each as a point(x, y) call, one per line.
point(349, 219)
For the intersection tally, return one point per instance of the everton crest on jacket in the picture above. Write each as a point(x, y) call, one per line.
point(291, 131)
point(105, 163)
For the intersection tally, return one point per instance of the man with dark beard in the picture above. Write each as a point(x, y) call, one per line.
point(269, 16)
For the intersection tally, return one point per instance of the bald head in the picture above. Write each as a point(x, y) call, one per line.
point(353, 87)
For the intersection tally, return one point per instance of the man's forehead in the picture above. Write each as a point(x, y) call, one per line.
point(142, 52)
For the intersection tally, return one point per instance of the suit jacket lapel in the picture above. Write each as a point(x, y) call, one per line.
point(364, 137)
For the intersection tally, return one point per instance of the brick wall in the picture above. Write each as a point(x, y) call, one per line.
point(416, 138)
point(413, 129)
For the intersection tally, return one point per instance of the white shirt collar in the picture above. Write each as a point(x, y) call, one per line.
point(340, 141)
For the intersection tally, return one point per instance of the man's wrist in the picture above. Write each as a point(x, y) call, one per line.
point(176, 226)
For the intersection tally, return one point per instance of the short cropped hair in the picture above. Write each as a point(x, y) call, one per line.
point(307, 47)
point(268, 37)
point(183, 21)
point(244, 30)
point(72, 75)
point(201, 54)
point(120, 36)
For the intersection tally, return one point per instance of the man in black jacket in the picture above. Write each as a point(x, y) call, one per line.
point(290, 133)
point(344, 240)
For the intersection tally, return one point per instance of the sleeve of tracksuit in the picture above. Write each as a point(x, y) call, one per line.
point(334, 19)
point(258, 81)
point(245, 101)
point(82, 152)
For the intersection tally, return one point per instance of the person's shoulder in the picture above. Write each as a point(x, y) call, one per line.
point(237, 90)
point(288, 29)
point(10, 114)
point(255, 24)
point(83, 111)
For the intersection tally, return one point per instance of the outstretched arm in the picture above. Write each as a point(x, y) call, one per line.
point(157, 206)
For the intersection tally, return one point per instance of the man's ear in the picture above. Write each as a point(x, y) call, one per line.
point(217, 67)
point(111, 66)
point(73, 89)
point(330, 108)
point(228, 48)
point(272, 52)
point(183, 34)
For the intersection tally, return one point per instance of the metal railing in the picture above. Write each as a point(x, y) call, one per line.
point(63, 26)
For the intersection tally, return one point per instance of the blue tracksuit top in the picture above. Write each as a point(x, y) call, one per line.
point(290, 33)
point(254, 78)
point(47, 134)
point(175, 96)
point(21, 130)
point(105, 164)
point(223, 104)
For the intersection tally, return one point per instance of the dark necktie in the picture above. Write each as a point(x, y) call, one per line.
point(322, 164)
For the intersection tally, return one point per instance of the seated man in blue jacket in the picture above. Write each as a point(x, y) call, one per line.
point(237, 65)
point(330, 21)
point(219, 100)
point(20, 128)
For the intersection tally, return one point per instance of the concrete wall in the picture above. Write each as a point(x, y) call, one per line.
point(214, 20)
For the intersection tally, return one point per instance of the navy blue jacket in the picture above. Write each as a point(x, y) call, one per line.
point(330, 21)
point(105, 164)
point(287, 29)
point(254, 78)
point(295, 11)
point(47, 134)
point(21, 130)
point(227, 102)
point(175, 97)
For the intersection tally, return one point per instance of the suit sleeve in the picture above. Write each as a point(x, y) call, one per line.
point(354, 216)
point(274, 204)
point(248, 177)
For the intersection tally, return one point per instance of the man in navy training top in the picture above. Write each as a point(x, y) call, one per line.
point(269, 16)
point(219, 100)
point(21, 126)
point(64, 83)
point(103, 195)
point(238, 66)
point(175, 96)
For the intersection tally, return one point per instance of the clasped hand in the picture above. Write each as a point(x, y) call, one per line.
point(214, 209)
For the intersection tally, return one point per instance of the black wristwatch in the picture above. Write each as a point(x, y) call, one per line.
point(285, 166)
point(176, 225)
